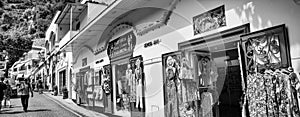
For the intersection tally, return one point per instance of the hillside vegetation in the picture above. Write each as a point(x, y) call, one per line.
point(21, 21)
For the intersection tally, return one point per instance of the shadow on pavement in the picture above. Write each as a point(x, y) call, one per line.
point(38, 110)
point(17, 112)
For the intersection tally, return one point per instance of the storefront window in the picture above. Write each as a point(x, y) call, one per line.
point(122, 86)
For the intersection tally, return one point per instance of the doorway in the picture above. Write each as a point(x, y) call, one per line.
point(215, 66)
point(121, 88)
point(62, 80)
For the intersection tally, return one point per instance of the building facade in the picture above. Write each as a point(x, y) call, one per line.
point(173, 58)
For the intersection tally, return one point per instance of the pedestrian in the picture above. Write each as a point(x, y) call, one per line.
point(7, 95)
point(2, 88)
point(33, 85)
point(24, 89)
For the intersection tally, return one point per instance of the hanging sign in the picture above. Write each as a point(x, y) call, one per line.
point(121, 45)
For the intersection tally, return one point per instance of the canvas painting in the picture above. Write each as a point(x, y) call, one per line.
point(209, 20)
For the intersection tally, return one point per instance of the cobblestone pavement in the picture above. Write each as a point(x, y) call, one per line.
point(39, 106)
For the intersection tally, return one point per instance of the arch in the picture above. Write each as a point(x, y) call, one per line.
point(134, 19)
point(80, 49)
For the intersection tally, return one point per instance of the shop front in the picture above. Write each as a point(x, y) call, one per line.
point(203, 78)
point(189, 60)
point(90, 79)
point(127, 76)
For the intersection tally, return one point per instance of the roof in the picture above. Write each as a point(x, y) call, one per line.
point(39, 42)
point(64, 16)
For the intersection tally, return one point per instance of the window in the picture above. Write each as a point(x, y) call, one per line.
point(77, 26)
point(84, 62)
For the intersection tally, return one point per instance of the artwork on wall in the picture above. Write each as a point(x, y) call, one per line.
point(266, 49)
point(209, 20)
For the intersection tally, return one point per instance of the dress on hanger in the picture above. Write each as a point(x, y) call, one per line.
point(206, 104)
point(132, 85)
point(139, 88)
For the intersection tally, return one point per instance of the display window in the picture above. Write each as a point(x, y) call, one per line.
point(98, 90)
point(122, 88)
point(203, 78)
point(129, 87)
point(135, 74)
point(107, 86)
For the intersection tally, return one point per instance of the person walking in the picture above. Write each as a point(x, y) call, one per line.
point(2, 88)
point(40, 86)
point(7, 95)
point(24, 89)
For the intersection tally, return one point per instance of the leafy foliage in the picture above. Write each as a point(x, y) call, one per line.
point(24, 21)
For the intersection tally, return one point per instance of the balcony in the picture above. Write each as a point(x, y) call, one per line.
point(69, 35)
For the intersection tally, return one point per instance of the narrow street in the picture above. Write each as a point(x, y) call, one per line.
point(39, 106)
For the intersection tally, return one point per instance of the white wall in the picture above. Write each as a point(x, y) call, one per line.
point(94, 10)
point(81, 54)
point(260, 14)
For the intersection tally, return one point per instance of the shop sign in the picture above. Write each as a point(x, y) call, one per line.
point(151, 43)
point(209, 20)
point(121, 45)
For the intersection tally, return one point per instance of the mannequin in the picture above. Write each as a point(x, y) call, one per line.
point(204, 71)
point(138, 76)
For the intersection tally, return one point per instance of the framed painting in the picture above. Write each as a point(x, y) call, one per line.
point(266, 49)
point(209, 20)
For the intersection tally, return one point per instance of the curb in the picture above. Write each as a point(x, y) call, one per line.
point(65, 107)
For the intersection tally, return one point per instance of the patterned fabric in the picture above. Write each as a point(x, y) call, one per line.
point(268, 94)
point(206, 104)
point(172, 99)
point(132, 84)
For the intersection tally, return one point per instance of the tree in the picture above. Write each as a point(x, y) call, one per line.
point(19, 27)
